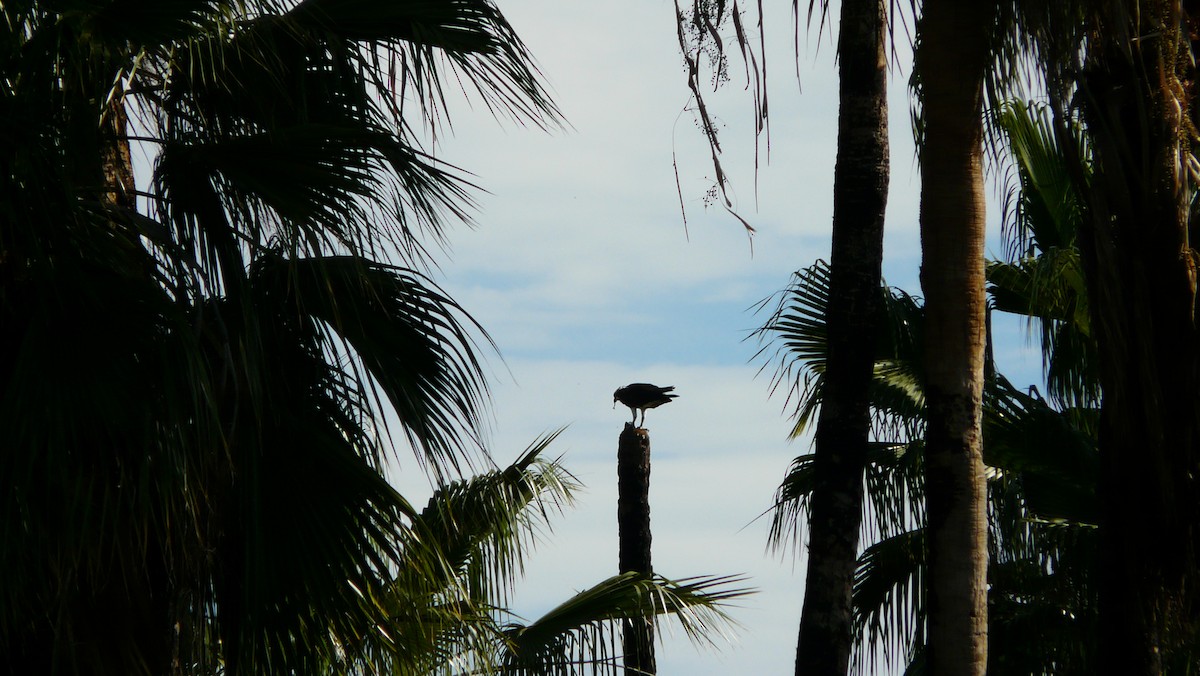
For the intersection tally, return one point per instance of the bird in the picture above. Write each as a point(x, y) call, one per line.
point(641, 396)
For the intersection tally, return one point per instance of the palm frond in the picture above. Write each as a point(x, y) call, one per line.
point(1042, 208)
point(572, 632)
point(414, 342)
point(893, 494)
point(889, 599)
point(1045, 278)
point(484, 525)
point(462, 553)
point(797, 333)
point(1054, 452)
point(472, 36)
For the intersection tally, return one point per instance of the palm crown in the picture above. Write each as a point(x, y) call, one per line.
point(215, 325)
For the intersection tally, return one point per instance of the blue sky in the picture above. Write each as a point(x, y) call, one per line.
point(582, 271)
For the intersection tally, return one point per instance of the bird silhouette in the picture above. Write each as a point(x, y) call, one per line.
point(642, 396)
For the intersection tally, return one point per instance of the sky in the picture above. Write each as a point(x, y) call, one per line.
point(582, 269)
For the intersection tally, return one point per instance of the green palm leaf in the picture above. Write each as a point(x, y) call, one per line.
point(1045, 280)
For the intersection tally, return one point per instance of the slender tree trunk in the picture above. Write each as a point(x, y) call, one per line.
point(1141, 266)
point(951, 59)
point(859, 202)
point(633, 527)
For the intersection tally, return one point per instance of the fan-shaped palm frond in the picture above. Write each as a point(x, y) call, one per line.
point(1042, 207)
point(293, 119)
point(413, 342)
point(1045, 280)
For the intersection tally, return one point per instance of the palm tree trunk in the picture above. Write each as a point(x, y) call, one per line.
point(951, 60)
point(1141, 269)
point(859, 201)
point(633, 528)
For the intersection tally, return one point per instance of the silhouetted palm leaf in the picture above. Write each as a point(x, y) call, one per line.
point(582, 631)
point(796, 332)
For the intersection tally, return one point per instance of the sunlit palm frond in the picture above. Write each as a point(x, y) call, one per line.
point(1045, 279)
point(1043, 208)
point(1050, 289)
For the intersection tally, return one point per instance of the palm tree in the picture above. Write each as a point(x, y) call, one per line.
point(198, 357)
point(1141, 266)
point(1125, 72)
point(952, 278)
point(1042, 502)
point(216, 330)
point(893, 508)
point(860, 199)
point(1042, 455)
point(859, 203)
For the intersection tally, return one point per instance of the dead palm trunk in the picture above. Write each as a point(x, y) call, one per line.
point(859, 201)
point(951, 61)
point(633, 528)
